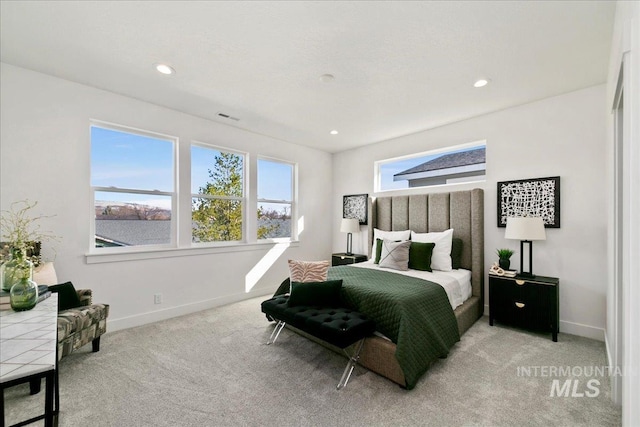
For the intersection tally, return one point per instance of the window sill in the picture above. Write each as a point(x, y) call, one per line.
point(134, 255)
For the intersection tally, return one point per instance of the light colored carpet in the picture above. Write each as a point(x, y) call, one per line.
point(213, 369)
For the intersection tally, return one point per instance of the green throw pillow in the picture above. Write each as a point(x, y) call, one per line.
point(456, 253)
point(67, 296)
point(378, 251)
point(315, 293)
point(420, 256)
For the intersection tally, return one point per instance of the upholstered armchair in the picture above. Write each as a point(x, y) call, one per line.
point(79, 325)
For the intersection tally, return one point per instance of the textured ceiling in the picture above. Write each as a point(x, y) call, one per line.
point(399, 67)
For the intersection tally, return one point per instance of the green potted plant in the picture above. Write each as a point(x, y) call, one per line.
point(504, 256)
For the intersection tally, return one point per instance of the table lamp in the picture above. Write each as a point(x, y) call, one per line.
point(525, 229)
point(349, 225)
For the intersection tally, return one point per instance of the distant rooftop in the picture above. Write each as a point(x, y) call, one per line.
point(447, 161)
point(129, 232)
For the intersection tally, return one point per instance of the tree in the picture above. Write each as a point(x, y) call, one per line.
point(220, 219)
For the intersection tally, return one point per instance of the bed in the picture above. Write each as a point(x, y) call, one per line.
point(462, 211)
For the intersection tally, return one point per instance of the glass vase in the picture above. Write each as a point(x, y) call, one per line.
point(23, 295)
point(16, 267)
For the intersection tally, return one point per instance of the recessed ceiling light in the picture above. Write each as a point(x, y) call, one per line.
point(334, 132)
point(481, 83)
point(164, 69)
point(326, 78)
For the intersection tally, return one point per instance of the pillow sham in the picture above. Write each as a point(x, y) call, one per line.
point(389, 235)
point(456, 253)
point(308, 271)
point(441, 258)
point(315, 293)
point(395, 255)
point(420, 256)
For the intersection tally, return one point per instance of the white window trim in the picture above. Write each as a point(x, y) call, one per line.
point(174, 194)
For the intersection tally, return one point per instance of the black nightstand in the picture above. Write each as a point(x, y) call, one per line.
point(530, 303)
point(344, 259)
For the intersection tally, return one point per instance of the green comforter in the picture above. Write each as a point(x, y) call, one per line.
point(415, 314)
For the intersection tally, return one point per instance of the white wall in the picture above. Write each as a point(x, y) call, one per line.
point(45, 155)
point(563, 135)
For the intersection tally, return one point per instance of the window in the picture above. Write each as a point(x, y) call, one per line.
point(275, 199)
point(138, 204)
point(217, 187)
point(133, 182)
point(452, 165)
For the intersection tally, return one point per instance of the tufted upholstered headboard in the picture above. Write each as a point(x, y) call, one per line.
point(461, 210)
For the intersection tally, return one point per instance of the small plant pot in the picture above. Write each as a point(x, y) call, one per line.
point(504, 263)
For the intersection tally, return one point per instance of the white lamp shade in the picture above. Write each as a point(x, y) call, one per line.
point(350, 225)
point(525, 228)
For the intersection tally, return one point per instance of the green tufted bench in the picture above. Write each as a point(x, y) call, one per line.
point(339, 326)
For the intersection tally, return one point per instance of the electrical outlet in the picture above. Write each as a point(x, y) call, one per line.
point(157, 299)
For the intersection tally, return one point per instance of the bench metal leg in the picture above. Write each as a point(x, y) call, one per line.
point(276, 332)
point(353, 360)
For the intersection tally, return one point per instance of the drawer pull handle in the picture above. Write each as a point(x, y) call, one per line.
point(519, 304)
point(520, 282)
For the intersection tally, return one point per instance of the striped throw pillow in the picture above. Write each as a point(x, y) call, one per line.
point(308, 271)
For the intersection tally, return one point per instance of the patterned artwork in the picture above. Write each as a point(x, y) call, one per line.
point(538, 197)
point(355, 206)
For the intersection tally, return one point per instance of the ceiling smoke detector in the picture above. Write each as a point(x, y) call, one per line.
point(327, 78)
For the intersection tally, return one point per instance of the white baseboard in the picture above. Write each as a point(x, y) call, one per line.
point(582, 330)
point(574, 329)
point(181, 310)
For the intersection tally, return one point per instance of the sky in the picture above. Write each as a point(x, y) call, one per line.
point(125, 160)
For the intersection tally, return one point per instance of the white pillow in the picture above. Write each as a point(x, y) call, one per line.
point(389, 235)
point(441, 258)
point(395, 255)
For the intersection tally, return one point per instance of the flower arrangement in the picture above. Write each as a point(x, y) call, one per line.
point(21, 237)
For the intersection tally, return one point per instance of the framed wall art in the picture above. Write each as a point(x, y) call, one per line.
point(356, 206)
point(530, 197)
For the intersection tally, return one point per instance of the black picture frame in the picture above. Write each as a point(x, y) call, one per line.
point(356, 206)
point(530, 197)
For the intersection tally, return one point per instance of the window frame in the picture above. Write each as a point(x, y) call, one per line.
point(181, 243)
point(444, 150)
point(173, 243)
point(243, 200)
point(292, 202)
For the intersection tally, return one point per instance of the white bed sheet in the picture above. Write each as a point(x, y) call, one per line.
point(456, 283)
